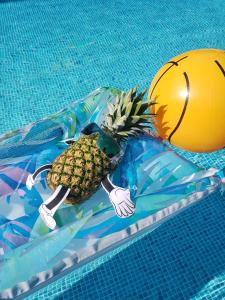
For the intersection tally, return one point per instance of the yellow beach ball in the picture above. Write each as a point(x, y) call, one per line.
point(189, 92)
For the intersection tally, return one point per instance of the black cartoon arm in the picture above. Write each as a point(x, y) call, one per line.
point(31, 178)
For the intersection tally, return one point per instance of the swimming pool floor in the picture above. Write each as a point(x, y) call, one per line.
point(52, 52)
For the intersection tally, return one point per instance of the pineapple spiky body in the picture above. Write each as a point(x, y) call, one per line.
point(81, 168)
point(86, 163)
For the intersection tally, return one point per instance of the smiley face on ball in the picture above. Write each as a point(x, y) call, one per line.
point(190, 94)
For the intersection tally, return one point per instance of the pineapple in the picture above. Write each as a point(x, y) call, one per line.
point(81, 167)
point(87, 161)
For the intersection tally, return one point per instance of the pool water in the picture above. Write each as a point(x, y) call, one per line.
point(52, 52)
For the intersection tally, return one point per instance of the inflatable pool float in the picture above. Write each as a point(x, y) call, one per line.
point(160, 182)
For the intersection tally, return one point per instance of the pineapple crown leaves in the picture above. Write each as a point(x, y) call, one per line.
point(127, 116)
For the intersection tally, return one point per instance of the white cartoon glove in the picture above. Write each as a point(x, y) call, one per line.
point(30, 182)
point(122, 203)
